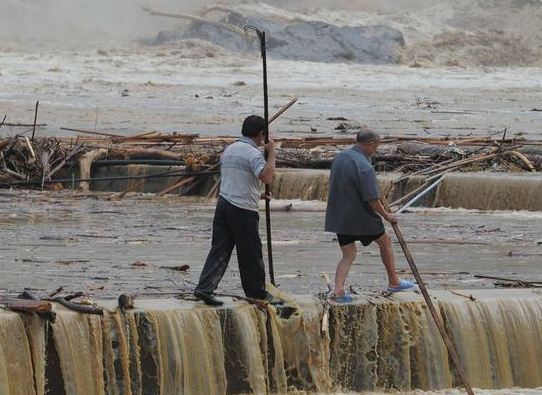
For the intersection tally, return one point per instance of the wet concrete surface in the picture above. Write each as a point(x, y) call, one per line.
point(88, 243)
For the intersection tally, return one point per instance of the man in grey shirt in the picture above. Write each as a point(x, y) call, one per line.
point(354, 212)
point(236, 219)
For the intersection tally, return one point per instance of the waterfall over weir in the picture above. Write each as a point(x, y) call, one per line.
point(169, 347)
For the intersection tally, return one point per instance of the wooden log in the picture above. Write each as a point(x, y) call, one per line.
point(461, 163)
point(77, 307)
point(73, 296)
point(464, 296)
point(197, 19)
point(185, 181)
point(214, 189)
point(49, 316)
point(90, 132)
point(508, 279)
point(154, 137)
point(73, 152)
point(27, 306)
point(140, 135)
point(145, 153)
point(283, 109)
point(24, 125)
point(178, 184)
point(436, 173)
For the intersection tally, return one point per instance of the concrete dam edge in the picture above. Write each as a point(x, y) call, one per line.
point(167, 346)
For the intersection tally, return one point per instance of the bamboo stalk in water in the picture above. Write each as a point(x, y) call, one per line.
point(430, 305)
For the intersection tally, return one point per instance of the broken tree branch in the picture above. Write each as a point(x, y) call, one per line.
point(35, 120)
point(198, 19)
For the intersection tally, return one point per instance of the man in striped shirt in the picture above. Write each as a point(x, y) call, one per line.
point(236, 219)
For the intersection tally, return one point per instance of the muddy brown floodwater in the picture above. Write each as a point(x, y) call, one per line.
point(85, 242)
point(176, 88)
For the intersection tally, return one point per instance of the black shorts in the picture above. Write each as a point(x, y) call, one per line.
point(349, 239)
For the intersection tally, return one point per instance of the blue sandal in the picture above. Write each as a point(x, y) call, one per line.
point(404, 285)
point(347, 298)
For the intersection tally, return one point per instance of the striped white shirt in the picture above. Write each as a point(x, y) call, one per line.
point(240, 166)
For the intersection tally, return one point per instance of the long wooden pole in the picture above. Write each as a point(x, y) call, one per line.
point(430, 305)
point(283, 109)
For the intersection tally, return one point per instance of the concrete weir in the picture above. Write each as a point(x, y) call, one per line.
point(167, 346)
point(482, 190)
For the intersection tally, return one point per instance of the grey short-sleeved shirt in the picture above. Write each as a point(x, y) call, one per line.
point(352, 183)
point(240, 168)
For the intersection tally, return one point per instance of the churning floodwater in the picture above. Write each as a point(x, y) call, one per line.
point(127, 91)
point(467, 68)
point(108, 82)
point(53, 239)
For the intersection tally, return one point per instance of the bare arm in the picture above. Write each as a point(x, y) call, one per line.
point(377, 206)
point(268, 171)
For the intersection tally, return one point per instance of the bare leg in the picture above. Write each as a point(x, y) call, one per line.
point(349, 255)
point(388, 259)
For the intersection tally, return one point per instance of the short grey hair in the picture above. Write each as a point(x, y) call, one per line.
point(367, 135)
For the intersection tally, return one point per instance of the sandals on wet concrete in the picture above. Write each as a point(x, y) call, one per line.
point(346, 298)
point(404, 285)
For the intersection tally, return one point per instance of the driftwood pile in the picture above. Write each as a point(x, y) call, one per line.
point(40, 160)
point(49, 162)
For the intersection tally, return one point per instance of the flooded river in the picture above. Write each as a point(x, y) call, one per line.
point(89, 243)
point(199, 88)
point(144, 243)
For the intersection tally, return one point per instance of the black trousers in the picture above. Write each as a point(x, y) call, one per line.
point(235, 227)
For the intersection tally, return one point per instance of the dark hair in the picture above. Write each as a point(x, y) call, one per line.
point(366, 135)
point(253, 126)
